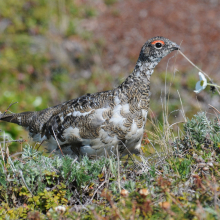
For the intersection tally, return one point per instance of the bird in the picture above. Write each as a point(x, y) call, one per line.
point(103, 123)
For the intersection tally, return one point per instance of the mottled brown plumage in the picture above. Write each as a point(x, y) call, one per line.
point(96, 124)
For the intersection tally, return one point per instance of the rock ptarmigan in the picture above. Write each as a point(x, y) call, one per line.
point(98, 124)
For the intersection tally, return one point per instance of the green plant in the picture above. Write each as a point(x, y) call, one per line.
point(203, 130)
point(182, 167)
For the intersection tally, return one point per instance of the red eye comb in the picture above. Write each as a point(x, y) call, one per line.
point(158, 41)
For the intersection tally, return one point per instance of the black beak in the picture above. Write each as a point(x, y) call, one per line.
point(176, 47)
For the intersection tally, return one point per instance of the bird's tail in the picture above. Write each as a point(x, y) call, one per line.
point(22, 119)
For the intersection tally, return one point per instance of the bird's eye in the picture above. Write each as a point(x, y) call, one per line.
point(158, 45)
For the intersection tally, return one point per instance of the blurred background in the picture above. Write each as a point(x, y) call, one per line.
point(55, 50)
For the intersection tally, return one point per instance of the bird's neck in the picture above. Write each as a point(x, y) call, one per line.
point(139, 78)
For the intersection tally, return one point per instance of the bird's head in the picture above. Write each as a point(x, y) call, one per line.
point(156, 48)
